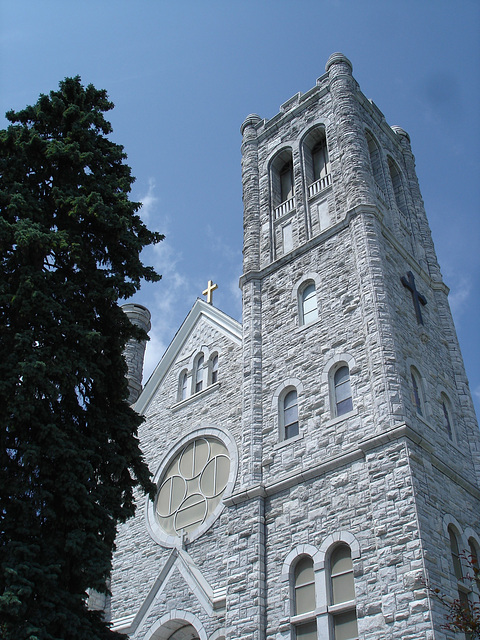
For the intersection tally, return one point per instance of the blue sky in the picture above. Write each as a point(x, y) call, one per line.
point(184, 74)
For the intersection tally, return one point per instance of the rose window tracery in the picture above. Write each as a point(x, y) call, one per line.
point(192, 485)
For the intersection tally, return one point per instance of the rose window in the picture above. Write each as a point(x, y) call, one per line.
point(192, 486)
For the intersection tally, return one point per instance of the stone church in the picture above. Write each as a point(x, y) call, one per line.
point(318, 463)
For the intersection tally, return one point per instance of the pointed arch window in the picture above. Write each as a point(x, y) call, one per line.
point(289, 414)
point(308, 304)
point(199, 371)
point(342, 592)
point(342, 391)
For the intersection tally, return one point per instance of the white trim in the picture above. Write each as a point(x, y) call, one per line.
point(337, 359)
point(281, 391)
point(172, 616)
point(153, 527)
point(210, 600)
point(340, 536)
point(296, 552)
point(226, 325)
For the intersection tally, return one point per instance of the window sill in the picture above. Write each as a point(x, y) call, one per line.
point(195, 396)
point(308, 325)
point(341, 418)
point(341, 607)
point(309, 616)
point(288, 441)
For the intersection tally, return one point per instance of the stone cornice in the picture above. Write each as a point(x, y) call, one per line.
point(359, 453)
point(333, 230)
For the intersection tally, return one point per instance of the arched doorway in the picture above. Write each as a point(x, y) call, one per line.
point(185, 633)
point(181, 625)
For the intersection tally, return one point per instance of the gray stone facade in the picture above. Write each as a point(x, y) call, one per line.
point(389, 475)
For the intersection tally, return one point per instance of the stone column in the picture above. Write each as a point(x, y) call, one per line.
point(420, 228)
point(352, 143)
point(251, 194)
point(135, 349)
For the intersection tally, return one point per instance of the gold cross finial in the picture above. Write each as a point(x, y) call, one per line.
point(209, 291)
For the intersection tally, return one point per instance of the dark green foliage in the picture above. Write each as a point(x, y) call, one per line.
point(70, 242)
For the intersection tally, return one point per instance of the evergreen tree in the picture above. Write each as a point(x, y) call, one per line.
point(70, 243)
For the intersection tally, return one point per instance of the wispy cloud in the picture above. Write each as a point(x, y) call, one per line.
point(165, 302)
point(459, 294)
point(149, 202)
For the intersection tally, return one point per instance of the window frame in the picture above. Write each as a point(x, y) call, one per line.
point(281, 164)
point(398, 186)
point(303, 297)
point(314, 142)
point(334, 386)
point(417, 393)
point(183, 385)
point(447, 413)
point(287, 426)
point(213, 368)
point(198, 378)
point(344, 607)
point(376, 162)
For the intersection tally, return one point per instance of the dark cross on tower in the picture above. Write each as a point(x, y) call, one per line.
point(416, 296)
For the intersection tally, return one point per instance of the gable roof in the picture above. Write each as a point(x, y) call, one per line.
point(225, 324)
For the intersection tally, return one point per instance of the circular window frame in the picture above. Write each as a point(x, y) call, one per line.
point(154, 528)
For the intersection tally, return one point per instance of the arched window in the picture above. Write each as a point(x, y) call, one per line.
point(455, 552)
point(457, 566)
point(183, 385)
point(417, 392)
point(308, 304)
point(304, 598)
point(286, 181)
point(376, 162)
point(317, 162)
point(282, 183)
point(304, 586)
point(321, 163)
point(475, 560)
point(342, 391)
point(214, 369)
point(447, 415)
point(199, 374)
point(289, 414)
point(342, 592)
point(397, 185)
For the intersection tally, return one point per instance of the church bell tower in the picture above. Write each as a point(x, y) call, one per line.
point(360, 454)
point(317, 466)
